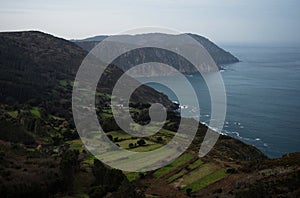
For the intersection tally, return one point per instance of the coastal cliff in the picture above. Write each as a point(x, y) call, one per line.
point(146, 55)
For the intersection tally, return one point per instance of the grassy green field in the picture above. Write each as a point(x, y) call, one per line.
point(36, 112)
point(151, 144)
point(131, 176)
point(184, 171)
point(195, 164)
point(119, 134)
point(184, 158)
point(124, 144)
point(177, 175)
point(207, 180)
point(76, 144)
point(167, 132)
point(147, 147)
point(13, 114)
point(151, 141)
point(105, 115)
point(89, 159)
point(63, 83)
point(199, 173)
point(192, 176)
point(56, 117)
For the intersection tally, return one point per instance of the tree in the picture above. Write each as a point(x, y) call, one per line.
point(142, 175)
point(109, 178)
point(141, 142)
point(110, 137)
point(97, 191)
point(116, 139)
point(131, 145)
point(188, 192)
point(69, 165)
point(159, 139)
point(127, 189)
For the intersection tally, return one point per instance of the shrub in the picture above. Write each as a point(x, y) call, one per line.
point(141, 142)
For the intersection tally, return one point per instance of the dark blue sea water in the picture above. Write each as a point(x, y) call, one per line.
point(263, 97)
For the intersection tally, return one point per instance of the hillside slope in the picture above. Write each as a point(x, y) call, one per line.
point(42, 155)
point(33, 64)
point(139, 56)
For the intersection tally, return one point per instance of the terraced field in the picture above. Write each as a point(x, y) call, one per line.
point(197, 178)
point(187, 172)
point(206, 180)
point(183, 159)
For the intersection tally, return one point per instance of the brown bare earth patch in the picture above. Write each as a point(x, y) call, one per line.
point(159, 187)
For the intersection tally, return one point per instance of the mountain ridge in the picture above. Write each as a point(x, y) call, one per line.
point(144, 55)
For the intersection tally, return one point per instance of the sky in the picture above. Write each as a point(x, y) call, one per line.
point(223, 21)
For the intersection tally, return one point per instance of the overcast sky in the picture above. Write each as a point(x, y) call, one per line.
point(225, 21)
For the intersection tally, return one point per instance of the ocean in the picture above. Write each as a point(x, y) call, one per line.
point(263, 97)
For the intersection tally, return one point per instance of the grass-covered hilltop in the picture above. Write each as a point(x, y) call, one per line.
point(41, 154)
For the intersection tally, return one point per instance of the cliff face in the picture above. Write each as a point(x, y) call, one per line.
point(219, 55)
point(145, 55)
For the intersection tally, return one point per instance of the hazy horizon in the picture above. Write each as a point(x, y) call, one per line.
point(269, 22)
